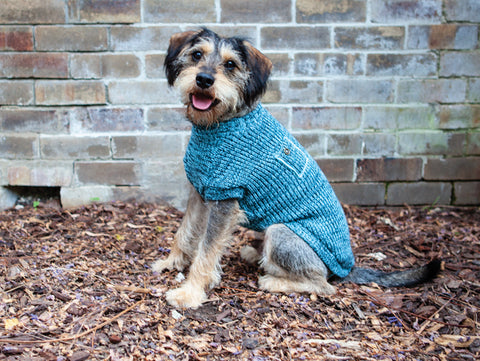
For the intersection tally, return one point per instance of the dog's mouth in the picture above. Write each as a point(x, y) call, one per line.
point(203, 102)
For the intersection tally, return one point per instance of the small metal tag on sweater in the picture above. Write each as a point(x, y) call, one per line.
point(286, 151)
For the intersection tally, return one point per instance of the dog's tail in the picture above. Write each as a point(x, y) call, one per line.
point(405, 278)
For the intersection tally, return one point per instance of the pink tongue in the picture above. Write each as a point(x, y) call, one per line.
point(201, 102)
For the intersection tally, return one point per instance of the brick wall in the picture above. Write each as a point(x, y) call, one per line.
point(384, 94)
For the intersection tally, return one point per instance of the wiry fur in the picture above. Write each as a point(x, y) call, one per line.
point(198, 63)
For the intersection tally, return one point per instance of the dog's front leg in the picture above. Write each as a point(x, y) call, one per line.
point(205, 270)
point(186, 239)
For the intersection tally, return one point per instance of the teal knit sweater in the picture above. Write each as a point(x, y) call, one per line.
point(255, 160)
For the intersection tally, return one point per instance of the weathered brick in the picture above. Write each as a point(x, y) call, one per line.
point(40, 173)
point(363, 194)
point(69, 92)
point(473, 144)
point(311, 64)
point(326, 117)
point(444, 36)
point(382, 37)
point(104, 11)
point(313, 142)
point(18, 146)
point(168, 181)
point(17, 92)
point(459, 116)
point(162, 11)
point(298, 38)
point(154, 65)
point(249, 32)
point(337, 169)
point(402, 64)
point(344, 144)
point(148, 146)
point(119, 173)
point(467, 193)
point(462, 10)
point(74, 147)
point(8, 198)
point(167, 119)
point(406, 11)
point(431, 143)
point(294, 91)
point(254, 11)
point(389, 169)
point(387, 117)
point(378, 144)
point(280, 113)
point(328, 11)
point(142, 92)
point(95, 120)
point(72, 197)
point(281, 64)
point(419, 193)
point(474, 90)
point(34, 120)
point(32, 12)
point(453, 169)
point(76, 38)
point(359, 91)
point(16, 38)
point(460, 63)
point(432, 90)
point(130, 38)
point(94, 66)
point(34, 65)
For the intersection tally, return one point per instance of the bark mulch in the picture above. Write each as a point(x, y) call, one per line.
point(76, 285)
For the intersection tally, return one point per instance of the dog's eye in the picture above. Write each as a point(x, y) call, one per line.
point(230, 65)
point(197, 55)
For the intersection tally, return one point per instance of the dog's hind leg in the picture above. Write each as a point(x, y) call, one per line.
point(291, 265)
point(186, 239)
point(205, 270)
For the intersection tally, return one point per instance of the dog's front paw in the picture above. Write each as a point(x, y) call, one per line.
point(186, 297)
point(170, 263)
point(250, 255)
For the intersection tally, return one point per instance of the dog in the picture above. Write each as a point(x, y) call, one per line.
point(245, 168)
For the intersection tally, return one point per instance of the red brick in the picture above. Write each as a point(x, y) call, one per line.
point(364, 194)
point(16, 38)
point(337, 170)
point(389, 169)
point(453, 169)
point(34, 65)
point(104, 11)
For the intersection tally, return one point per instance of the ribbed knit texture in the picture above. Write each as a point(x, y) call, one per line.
point(256, 160)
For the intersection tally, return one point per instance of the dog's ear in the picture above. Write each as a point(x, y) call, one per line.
point(260, 68)
point(177, 43)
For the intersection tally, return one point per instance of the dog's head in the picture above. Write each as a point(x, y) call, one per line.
point(219, 78)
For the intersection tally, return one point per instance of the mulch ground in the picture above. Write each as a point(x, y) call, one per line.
point(76, 285)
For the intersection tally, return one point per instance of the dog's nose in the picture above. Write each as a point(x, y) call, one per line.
point(205, 80)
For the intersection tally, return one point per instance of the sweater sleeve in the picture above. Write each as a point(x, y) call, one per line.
point(220, 194)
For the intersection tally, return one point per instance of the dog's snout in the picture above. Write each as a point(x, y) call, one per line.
point(205, 80)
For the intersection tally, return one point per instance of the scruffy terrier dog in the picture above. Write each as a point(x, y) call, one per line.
point(245, 168)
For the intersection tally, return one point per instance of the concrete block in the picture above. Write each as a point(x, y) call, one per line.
point(32, 12)
point(380, 38)
point(34, 65)
point(330, 11)
point(16, 38)
point(467, 193)
point(104, 11)
point(70, 92)
point(420, 193)
point(327, 118)
point(183, 11)
point(72, 197)
point(362, 194)
point(453, 169)
point(76, 38)
point(389, 169)
point(74, 147)
point(18, 92)
point(113, 173)
point(254, 11)
point(40, 173)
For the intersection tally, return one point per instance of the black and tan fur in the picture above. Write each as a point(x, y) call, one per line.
point(219, 79)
